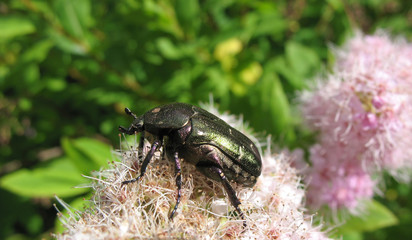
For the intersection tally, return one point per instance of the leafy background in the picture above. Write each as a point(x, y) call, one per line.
point(69, 67)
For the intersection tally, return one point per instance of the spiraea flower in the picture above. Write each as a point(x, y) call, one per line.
point(273, 207)
point(363, 115)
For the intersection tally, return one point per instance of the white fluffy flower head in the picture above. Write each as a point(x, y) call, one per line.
point(273, 207)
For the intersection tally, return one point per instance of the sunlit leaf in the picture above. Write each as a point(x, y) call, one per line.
point(168, 49)
point(55, 84)
point(82, 162)
point(97, 151)
point(375, 216)
point(87, 154)
point(12, 26)
point(60, 178)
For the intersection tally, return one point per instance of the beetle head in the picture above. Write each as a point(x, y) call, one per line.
point(135, 127)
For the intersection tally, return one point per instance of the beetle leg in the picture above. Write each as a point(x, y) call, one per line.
point(211, 168)
point(146, 161)
point(140, 149)
point(178, 175)
point(130, 130)
point(216, 173)
point(230, 193)
point(129, 112)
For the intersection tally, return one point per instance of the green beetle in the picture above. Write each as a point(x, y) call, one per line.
point(219, 151)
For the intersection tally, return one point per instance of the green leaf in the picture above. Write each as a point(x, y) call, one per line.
point(86, 154)
point(280, 107)
point(276, 104)
point(280, 65)
point(25, 104)
point(74, 15)
point(303, 60)
point(38, 52)
point(55, 84)
point(66, 44)
point(352, 236)
point(375, 216)
point(12, 26)
point(58, 178)
point(268, 23)
point(82, 162)
point(31, 75)
point(97, 151)
point(187, 13)
point(336, 4)
point(168, 49)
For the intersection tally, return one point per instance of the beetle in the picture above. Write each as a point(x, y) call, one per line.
point(217, 150)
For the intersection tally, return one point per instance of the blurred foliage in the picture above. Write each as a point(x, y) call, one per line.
point(69, 67)
point(373, 217)
point(397, 197)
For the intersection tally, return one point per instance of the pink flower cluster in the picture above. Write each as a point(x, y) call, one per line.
point(363, 114)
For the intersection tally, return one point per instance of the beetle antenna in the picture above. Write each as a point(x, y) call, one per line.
point(128, 112)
